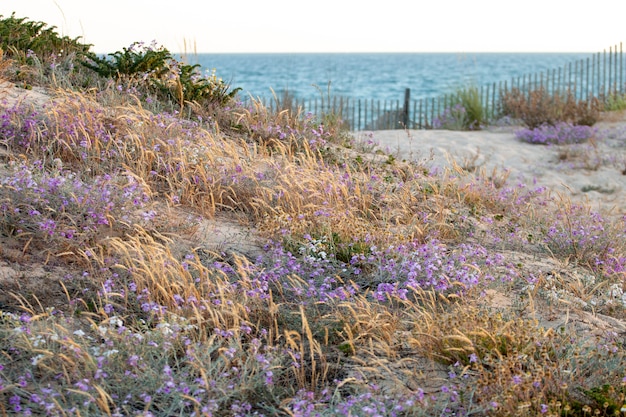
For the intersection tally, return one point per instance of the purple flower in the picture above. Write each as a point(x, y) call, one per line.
point(559, 134)
point(269, 377)
point(83, 385)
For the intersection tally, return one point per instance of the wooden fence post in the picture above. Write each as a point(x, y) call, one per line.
point(587, 81)
point(621, 69)
point(405, 108)
point(610, 67)
point(602, 82)
point(420, 125)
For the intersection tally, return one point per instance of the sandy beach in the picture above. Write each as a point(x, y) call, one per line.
point(592, 172)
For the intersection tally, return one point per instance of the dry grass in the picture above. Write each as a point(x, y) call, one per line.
point(368, 295)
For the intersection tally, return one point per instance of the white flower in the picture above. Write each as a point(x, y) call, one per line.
point(35, 360)
point(38, 341)
point(165, 328)
point(116, 322)
point(110, 352)
point(7, 315)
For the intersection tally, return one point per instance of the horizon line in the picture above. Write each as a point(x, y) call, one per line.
point(369, 52)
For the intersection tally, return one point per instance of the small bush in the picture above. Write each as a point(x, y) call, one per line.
point(581, 235)
point(538, 107)
point(466, 113)
point(134, 60)
point(163, 74)
point(18, 36)
point(475, 115)
point(38, 55)
point(615, 102)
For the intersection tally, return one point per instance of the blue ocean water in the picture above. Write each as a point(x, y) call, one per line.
point(380, 76)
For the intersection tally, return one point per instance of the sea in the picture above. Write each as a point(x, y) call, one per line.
point(379, 76)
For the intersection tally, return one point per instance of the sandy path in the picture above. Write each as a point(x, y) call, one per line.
point(594, 174)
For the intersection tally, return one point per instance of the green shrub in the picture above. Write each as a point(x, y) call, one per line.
point(163, 74)
point(21, 38)
point(475, 115)
point(36, 54)
point(615, 102)
point(465, 111)
point(136, 59)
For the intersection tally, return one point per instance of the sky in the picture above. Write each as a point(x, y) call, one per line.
point(227, 26)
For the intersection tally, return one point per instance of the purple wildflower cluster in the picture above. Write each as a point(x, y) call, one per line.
point(414, 266)
point(18, 126)
point(562, 133)
point(59, 205)
point(587, 237)
point(375, 402)
point(73, 130)
point(308, 131)
point(133, 367)
point(390, 273)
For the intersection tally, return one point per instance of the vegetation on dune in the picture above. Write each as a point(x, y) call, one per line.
point(540, 107)
point(161, 73)
point(20, 37)
point(548, 117)
point(372, 292)
point(465, 112)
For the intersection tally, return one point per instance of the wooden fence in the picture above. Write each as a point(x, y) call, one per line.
point(601, 75)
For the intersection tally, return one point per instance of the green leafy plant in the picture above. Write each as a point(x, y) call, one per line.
point(21, 38)
point(475, 115)
point(608, 398)
point(465, 111)
point(38, 55)
point(136, 59)
point(163, 74)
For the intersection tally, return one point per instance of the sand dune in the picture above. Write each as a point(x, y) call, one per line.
point(593, 172)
